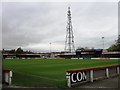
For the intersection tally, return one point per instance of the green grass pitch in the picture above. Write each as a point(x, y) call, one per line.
point(48, 72)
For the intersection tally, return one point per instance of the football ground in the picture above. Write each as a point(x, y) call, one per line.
point(48, 72)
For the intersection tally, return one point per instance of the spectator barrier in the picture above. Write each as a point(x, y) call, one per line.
point(75, 77)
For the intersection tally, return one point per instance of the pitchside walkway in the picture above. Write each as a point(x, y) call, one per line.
point(107, 84)
point(113, 82)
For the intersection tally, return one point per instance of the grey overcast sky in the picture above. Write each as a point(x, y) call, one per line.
point(34, 25)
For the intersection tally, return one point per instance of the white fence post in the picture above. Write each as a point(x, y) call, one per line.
point(7, 76)
point(68, 79)
point(10, 78)
point(118, 70)
point(107, 72)
point(91, 75)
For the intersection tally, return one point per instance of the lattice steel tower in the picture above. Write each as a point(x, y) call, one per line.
point(69, 43)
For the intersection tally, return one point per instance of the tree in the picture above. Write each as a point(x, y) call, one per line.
point(19, 50)
point(80, 48)
point(93, 48)
point(116, 46)
point(12, 51)
point(3, 51)
point(83, 48)
point(86, 48)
